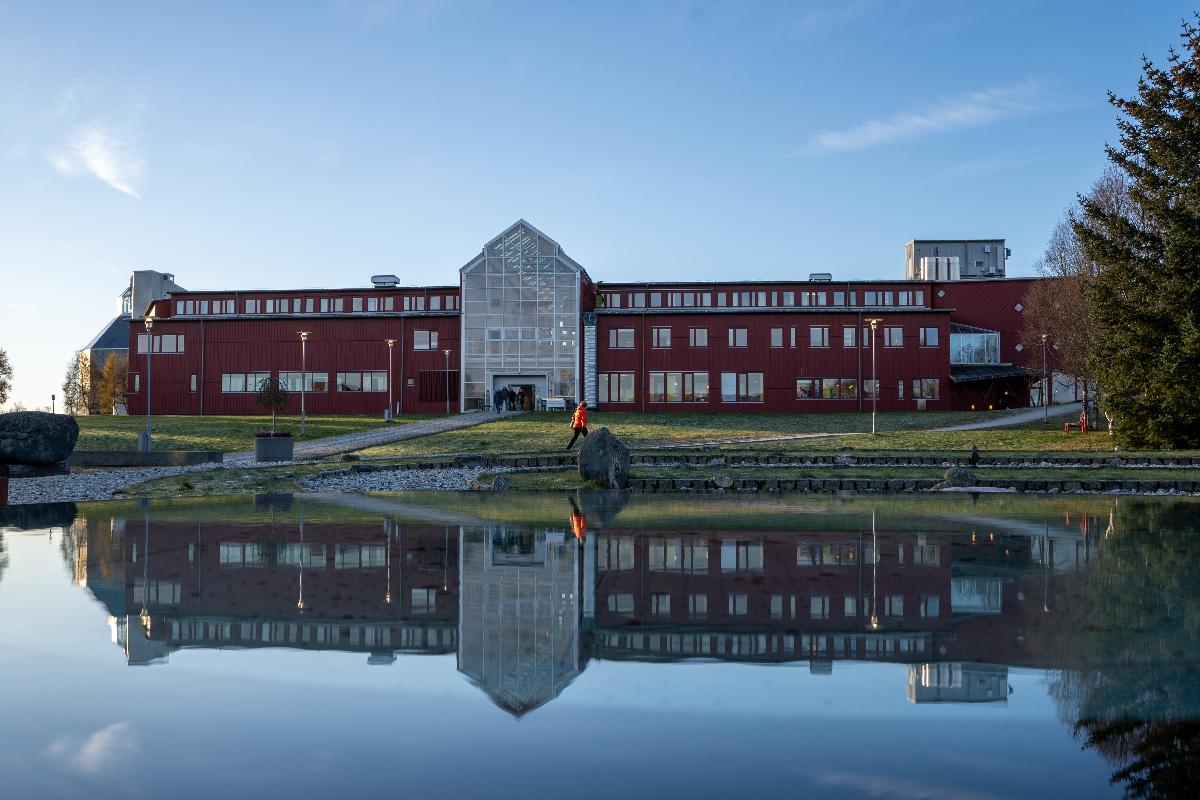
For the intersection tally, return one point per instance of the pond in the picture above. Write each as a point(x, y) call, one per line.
point(595, 645)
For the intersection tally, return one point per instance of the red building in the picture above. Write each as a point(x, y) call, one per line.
point(527, 315)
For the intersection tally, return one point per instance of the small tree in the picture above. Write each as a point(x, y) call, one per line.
point(113, 379)
point(74, 386)
point(5, 377)
point(272, 397)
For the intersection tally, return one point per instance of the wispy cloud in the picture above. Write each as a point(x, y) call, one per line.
point(898, 788)
point(105, 750)
point(106, 152)
point(971, 110)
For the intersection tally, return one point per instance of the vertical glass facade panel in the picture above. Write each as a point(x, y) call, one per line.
point(523, 288)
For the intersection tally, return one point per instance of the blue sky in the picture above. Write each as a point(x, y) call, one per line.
point(250, 145)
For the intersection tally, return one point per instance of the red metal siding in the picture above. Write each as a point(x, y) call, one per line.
point(781, 366)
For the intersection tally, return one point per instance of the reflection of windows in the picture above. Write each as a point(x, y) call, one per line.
point(776, 606)
point(893, 605)
point(818, 606)
point(741, 556)
point(615, 387)
point(614, 552)
point(621, 603)
point(424, 601)
point(697, 605)
point(931, 606)
point(811, 554)
point(354, 556)
point(240, 554)
point(926, 555)
point(848, 607)
point(160, 593)
point(660, 605)
point(737, 604)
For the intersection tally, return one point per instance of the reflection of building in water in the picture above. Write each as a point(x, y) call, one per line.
point(957, 682)
point(533, 604)
point(377, 589)
point(519, 637)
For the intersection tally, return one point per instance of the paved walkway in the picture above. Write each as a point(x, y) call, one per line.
point(350, 442)
point(1020, 418)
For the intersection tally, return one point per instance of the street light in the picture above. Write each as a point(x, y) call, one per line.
point(145, 443)
point(447, 354)
point(874, 378)
point(1045, 386)
point(303, 374)
point(388, 416)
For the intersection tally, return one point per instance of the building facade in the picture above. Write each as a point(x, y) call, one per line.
point(525, 315)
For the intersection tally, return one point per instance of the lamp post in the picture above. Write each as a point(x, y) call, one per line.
point(874, 623)
point(447, 354)
point(874, 377)
point(303, 375)
point(146, 442)
point(388, 415)
point(1045, 385)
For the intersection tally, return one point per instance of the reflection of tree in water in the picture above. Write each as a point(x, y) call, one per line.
point(3, 556)
point(1130, 687)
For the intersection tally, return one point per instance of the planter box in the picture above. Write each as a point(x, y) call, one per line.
point(273, 448)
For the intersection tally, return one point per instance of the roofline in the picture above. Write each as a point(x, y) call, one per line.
point(966, 241)
point(612, 312)
point(454, 287)
point(815, 284)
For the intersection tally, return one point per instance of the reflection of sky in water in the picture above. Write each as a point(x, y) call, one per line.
point(273, 721)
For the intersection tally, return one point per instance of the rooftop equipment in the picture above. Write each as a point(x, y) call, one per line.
point(385, 281)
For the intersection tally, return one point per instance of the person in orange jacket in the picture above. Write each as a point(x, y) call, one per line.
point(578, 423)
point(578, 521)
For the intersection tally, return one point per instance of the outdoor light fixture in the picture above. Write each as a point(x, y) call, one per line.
point(303, 380)
point(1045, 385)
point(391, 407)
point(146, 442)
point(874, 377)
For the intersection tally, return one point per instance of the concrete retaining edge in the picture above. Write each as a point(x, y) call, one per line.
point(158, 458)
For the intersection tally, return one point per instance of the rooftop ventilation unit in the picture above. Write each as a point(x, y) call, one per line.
point(385, 281)
point(820, 277)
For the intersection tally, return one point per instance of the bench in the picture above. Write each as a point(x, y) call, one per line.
point(1082, 424)
point(555, 403)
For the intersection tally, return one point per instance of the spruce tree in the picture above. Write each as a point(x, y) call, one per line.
point(1145, 299)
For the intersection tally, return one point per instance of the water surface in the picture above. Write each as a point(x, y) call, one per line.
point(594, 646)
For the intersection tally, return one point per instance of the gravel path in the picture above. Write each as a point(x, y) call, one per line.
point(82, 486)
point(394, 480)
point(1029, 415)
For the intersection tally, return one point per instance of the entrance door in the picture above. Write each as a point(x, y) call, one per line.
point(534, 386)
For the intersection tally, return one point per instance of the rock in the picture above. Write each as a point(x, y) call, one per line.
point(722, 481)
point(603, 459)
point(954, 478)
point(37, 438)
point(600, 506)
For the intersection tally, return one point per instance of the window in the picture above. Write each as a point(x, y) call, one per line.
point(839, 298)
point(615, 553)
point(697, 605)
point(620, 338)
point(870, 388)
point(789, 298)
point(776, 606)
point(339, 304)
point(137, 383)
point(163, 343)
point(229, 306)
point(308, 306)
point(679, 387)
point(737, 337)
point(818, 336)
point(637, 299)
point(741, 387)
point(179, 305)
point(234, 382)
point(893, 605)
point(776, 337)
point(269, 306)
point(706, 299)
point(893, 337)
point(656, 299)
point(900, 387)
point(805, 389)
point(389, 303)
point(720, 299)
point(661, 337)
point(324, 305)
point(925, 388)
point(193, 383)
point(362, 381)
point(372, 304)
point(698, 337)
point(251, 306)
point(818, 606)
point(204, 306)
point(615, 387)
point(929, 337)
point(424, 601)
point(425, 340)
point(435, 303)
point(848, 336)
point(316, 381)
point(931, 606)
point(792, 336)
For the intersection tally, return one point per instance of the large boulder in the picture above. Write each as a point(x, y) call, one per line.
point(956, 478)
point(604, 460)
point(36, 438)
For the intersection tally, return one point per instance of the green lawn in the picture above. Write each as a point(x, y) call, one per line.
point(548, 432)
point(227, 434)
